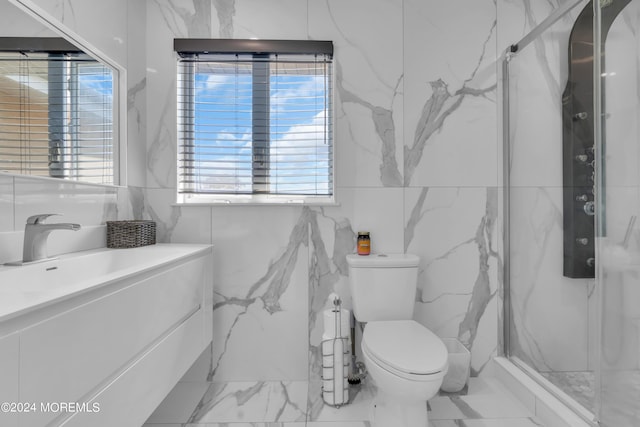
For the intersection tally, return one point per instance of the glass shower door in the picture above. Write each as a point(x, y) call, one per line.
point(551, 317)
point(618, 248)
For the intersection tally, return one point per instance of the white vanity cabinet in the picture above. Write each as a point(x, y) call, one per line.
point(111, 358)
point(9, 392)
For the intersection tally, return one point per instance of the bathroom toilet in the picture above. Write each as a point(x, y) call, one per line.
point(405, 360)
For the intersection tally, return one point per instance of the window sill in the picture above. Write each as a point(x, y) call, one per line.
point(241, 204)
point(253, 200)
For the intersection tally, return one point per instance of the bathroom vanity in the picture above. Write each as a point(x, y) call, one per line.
point(99, 338)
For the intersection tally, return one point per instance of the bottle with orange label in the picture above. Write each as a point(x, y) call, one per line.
point(364, 243)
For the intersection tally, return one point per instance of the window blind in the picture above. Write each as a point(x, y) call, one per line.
point(56, 116)
point(255, 123)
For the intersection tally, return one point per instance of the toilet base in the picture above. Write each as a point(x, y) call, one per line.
point(389, 412)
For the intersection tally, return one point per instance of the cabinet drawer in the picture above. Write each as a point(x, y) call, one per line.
point(70, 356)
point(128, 402)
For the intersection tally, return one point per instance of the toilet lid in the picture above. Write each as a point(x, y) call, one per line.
point(406, 346)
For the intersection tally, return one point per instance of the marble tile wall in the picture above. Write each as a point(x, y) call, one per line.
point(416, 165)
point(88, 205)
point(16, 23)
point(6, 203)
point(80, 19)
point(136, 102)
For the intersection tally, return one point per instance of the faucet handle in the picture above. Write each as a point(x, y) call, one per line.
point(38, 219)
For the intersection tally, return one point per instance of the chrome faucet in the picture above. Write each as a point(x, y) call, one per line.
point(35, 236)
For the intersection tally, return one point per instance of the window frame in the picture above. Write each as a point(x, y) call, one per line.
point(257, 48)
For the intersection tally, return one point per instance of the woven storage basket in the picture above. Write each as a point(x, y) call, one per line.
point(130, 234)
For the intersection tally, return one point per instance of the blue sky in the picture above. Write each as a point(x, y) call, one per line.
point(223, 123)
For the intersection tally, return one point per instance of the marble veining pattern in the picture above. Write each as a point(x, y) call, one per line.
point(523, 342)
point(268, 401)
point(81, 18)
point(264, 296)
point(136, 202)
point(382, 117)
point(267, 291)
point(440, 105)
point(368, 86)
point(520, 422)
point(301, 257)
point(191, 18)
point(541, 48)
point(417, 212)
point(479, 292)
point(327, 269)
point(449, 96)
point(536, 272)
point(485, 403)
point(132, 94)
point(66, 12)
point(160, 150)
point(318, 238)
point(482, 293)
point(164, 229)
point(225, 10)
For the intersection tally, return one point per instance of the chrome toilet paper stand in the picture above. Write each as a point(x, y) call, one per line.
point(329, 396)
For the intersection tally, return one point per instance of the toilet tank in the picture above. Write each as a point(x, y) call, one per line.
point(383, 286)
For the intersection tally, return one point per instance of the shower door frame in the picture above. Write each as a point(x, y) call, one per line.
point(585, 413)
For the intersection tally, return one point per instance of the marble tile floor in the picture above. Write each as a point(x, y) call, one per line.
point(580, 385)
point(484, 403)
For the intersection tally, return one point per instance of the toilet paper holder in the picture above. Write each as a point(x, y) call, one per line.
point(335, 358)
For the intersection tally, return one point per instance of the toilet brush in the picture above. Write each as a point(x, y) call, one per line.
point(357, 369)
point(353, 378)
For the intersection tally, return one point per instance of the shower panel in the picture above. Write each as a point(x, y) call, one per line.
point(578, 142)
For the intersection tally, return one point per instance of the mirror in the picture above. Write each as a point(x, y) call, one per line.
point(58, 104)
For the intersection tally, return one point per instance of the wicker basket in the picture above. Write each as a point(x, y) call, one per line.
point(130, 234)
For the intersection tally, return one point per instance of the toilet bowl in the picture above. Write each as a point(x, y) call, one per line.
point(407, 363)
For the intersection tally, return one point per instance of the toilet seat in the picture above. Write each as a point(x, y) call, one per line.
point(405, 348)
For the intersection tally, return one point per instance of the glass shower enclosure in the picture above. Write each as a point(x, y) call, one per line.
point(571, 154)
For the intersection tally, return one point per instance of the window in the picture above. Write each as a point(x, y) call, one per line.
point(56, 112)
point(254, 121)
